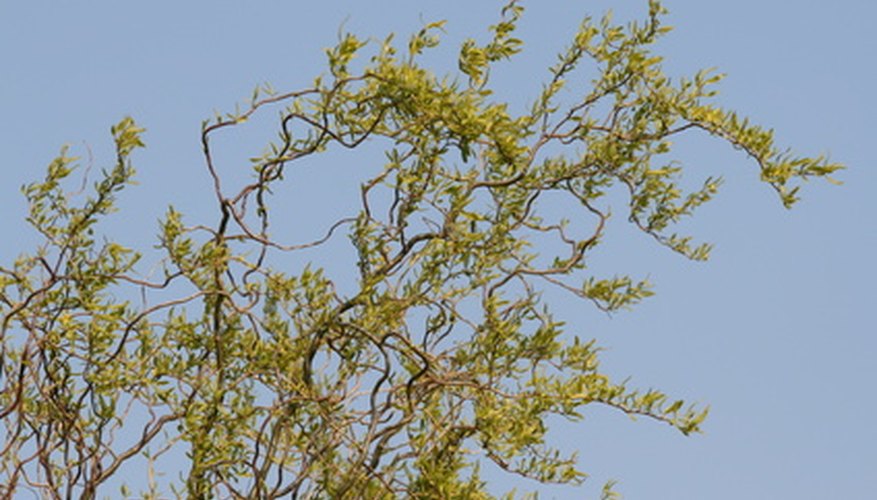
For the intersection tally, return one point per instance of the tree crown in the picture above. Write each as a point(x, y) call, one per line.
point(443, 356)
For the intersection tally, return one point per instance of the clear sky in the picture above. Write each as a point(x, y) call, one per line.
point(776, 332)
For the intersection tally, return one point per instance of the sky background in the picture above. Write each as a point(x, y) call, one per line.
point(776, 333)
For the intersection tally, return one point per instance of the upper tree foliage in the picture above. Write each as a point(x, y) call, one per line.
point(442, 357)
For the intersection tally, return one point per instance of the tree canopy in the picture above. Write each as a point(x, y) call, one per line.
point(435, 354)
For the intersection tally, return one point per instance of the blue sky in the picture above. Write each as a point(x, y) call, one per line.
point(775, 332)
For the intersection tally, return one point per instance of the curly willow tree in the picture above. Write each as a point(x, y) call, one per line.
point(438, 357)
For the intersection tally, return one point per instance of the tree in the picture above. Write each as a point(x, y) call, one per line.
point(438, 355)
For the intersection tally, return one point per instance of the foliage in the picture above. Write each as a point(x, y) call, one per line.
point(444, 356)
